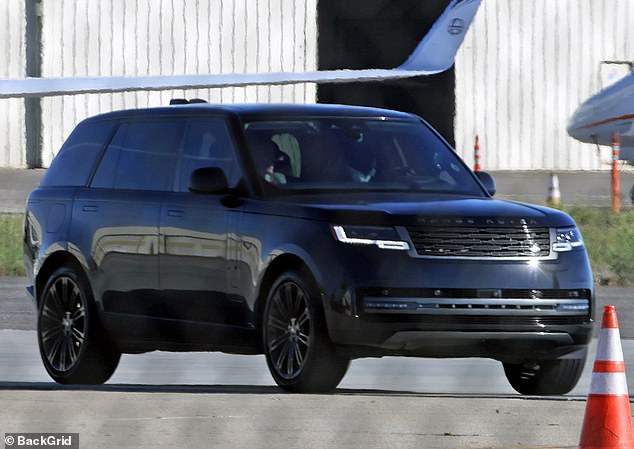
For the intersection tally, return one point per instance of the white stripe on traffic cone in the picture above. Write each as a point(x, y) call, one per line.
point(608, 422)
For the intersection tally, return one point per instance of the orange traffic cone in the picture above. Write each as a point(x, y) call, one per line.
point(608, 420)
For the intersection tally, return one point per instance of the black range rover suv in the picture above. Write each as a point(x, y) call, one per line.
point(314, 234)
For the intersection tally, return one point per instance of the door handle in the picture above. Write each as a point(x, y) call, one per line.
point(175, 213)
point(89, 208)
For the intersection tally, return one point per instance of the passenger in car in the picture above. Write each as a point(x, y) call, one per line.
point(278, 171)
point(288, 144)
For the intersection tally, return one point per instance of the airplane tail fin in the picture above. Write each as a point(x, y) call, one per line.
point(437, 51)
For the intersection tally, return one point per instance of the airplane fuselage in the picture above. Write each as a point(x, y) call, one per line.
point(609, 111)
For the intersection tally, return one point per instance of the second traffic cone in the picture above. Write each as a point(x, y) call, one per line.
point(608, 420)
point(554, 195)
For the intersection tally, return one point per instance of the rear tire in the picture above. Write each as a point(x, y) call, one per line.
point(73, 345)
point(299, 353)
point(546, 377)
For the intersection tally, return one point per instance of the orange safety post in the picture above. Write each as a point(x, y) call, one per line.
point(476, 154)
point(616, 182)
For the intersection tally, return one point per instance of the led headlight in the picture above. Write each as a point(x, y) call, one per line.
point(566, 239)
point(384, 238)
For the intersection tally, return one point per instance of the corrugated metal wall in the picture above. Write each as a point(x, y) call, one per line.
point(12, 65)
point(151, 37)
point(524, 67)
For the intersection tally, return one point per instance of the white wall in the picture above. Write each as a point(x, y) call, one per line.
point(151, 37)
point(12, 65)
point(524, 67)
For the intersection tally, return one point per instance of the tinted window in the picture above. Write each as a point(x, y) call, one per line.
point(76, 159)
point(141, 156)
point(208, 143)
point(345, 154)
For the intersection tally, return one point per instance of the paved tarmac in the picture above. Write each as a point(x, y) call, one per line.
point(15, 186)
point(164, 400)
point(576, 188)
point(268, 419)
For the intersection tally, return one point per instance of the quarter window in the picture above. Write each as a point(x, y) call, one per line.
point(76, 159)
point(142, 156)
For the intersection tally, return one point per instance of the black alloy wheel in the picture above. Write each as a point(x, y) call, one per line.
point(288, 330)
point(299, 353)
point(72, 344)
point(62, 324)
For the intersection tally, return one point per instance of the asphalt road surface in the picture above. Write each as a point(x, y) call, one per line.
point(264, 418)
point(165, 400)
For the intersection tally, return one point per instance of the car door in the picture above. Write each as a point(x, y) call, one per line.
point(196, 275)
point(119, 216)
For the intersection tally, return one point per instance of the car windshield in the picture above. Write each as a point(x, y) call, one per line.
point(345, 154)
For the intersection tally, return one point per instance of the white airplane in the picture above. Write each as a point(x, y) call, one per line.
point(434, 54)
point(609, 111)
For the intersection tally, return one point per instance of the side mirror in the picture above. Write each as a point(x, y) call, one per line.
point(487, 181)
point(208, 180)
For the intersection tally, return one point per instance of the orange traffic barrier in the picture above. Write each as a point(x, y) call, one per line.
point(616, 182)
point(608, 422)
point(476, 154)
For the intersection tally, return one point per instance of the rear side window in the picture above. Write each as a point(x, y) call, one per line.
point(76, 159)
point(208, 143)
point(141, 156)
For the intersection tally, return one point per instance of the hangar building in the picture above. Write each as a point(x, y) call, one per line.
point(523, 68)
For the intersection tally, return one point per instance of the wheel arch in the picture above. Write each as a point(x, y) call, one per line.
point(53, 262)
point(280, 265)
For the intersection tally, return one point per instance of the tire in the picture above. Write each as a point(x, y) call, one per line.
point(548, 377)
point(72, 343)
point(299, 353)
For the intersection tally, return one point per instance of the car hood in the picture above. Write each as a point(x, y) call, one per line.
point(436, 210)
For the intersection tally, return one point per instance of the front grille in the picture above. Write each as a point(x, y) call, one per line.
point(475, 302)
point(472, 241)
point(475, 306)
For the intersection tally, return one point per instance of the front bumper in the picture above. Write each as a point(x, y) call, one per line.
point(509, 327)
point(508, 311)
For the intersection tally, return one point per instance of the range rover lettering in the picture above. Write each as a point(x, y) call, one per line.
point(314, 234)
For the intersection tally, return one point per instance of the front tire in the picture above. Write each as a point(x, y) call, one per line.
point(299, 353)
point(547, 377)
point(73, 346)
